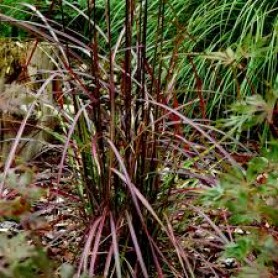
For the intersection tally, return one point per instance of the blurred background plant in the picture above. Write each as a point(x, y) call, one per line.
point(19, 256)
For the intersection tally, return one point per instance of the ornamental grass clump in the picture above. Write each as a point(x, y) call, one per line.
point(122, 124)
point(127, 84)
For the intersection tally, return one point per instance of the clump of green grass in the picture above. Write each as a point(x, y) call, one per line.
point(230, 47)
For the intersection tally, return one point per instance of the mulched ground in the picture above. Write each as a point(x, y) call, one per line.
point(58, 221)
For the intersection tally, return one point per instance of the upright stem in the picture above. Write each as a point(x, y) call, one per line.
point(127, 81)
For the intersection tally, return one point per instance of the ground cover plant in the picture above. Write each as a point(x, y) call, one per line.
point(163, 159)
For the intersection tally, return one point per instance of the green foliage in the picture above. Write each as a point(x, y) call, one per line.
point(265, 247)
point(63, 14)
point(254, 112)
point(14, 9)
point(250, 197)
point(262, 245)
point(21, 259)
point(238, 39)
point(25, 193)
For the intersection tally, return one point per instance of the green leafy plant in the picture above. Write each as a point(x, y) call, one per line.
point(20, 259)
point(18, 256)
point(255, 112)
point(250, 197)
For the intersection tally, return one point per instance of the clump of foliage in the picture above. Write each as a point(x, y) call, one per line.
point(225, 51)
point(250, 198)
point(56, 11)
point(18, 257)
point(14, 9)
point(256, 113)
